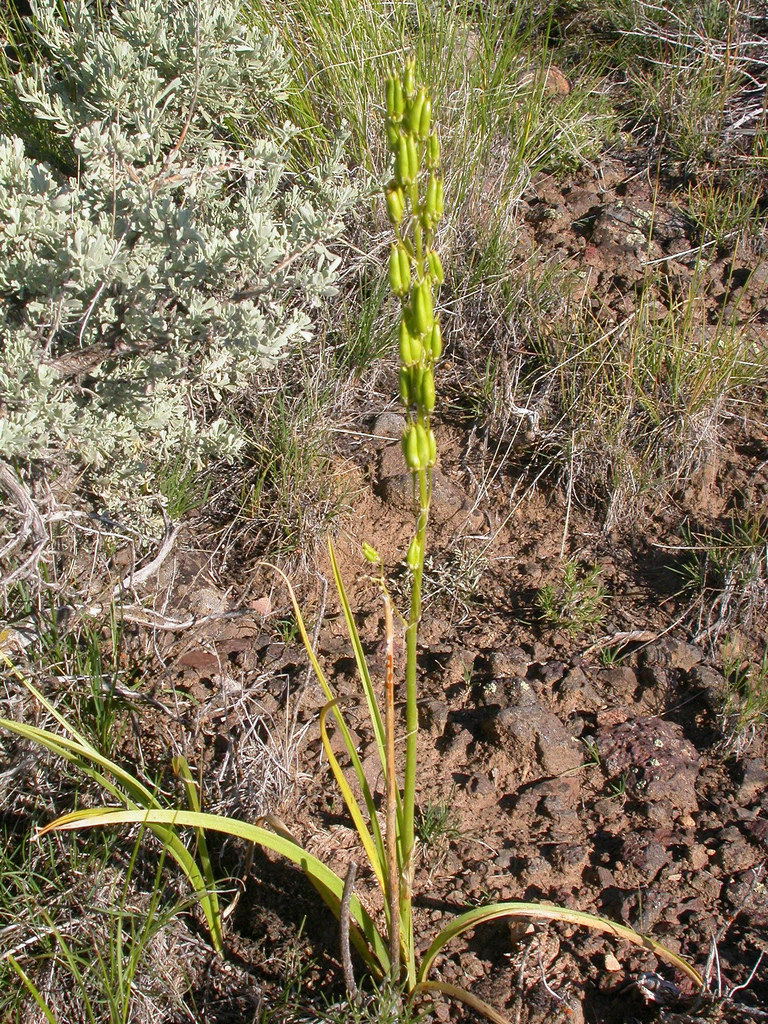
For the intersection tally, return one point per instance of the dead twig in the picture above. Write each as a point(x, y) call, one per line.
point(142, 575)
point(32, 526)
point(346, 957)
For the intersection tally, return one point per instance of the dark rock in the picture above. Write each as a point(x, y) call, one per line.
point(647, 852)
point(672, 654)
point(480, 785)
point(654, 759)
point(388, 426)
point(757, 831)
point(433, 716)
point(755, 780)
point(710, 681)
point(551, 672)
point(507, 662)
point(620, 683)
point(735, 853)
point(576, 693)
point(529, 733)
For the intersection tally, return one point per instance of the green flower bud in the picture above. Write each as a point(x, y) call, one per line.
point(395, 204)
point(422, 444)
point(395, 98)
point(432, 443)
point(427, 391)
point(424, 120)
point(414, 110)
point(371, 554)
point(434, 341)
point(411, 448)
point(423, 313)
point(435, 266)
point(396, 282)
point(409, 77)
point(413, 558)
point(433, 152)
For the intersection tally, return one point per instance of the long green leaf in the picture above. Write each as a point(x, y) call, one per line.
point(330, 696)
point(366, 937)
point(463, 996)
point(181, 768)
point(136, 795)
point(33, 990)
point(362, 665)
point(374, 859)
point(544, 912)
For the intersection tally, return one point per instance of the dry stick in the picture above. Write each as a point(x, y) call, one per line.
point(142, 575)
point(346, 957)
point(568, 506)
point(393, 875)
point(33, 524)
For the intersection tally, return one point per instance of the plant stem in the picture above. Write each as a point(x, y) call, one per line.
point(393, 873)
point(422, 480)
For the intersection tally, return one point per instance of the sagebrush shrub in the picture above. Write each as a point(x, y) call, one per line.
point(178, 254)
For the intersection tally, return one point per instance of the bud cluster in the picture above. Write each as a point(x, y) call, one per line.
point(414, 199)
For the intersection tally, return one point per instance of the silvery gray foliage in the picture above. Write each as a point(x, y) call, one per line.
point(144, 288)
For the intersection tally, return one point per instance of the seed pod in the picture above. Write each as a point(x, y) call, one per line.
point(433, 152)
point(414, 110)
point(395, 205)
point(435, 266)
point(422, 444)
point(393, 136)
point(413, 558)
point(434, 341)
point(411, 450)
point(396, 282)
point(425, 119)
point(432, 441)
point(423, 312)
point(427, 391)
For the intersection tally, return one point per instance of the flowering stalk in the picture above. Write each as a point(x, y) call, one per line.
point(414, 199)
